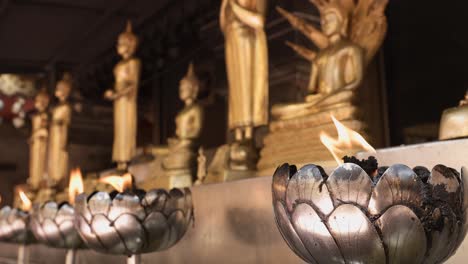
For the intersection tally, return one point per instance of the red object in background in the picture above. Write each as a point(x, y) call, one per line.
point(7, 103)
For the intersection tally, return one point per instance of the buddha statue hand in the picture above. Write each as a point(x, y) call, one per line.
point(109, 94)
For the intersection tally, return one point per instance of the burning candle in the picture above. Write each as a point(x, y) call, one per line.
point(25, 201)
point(75, 186)
point(348, 141)
point(120, 183)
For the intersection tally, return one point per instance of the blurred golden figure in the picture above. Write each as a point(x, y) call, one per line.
point(181, 161)
point(351, 35)
point(242, 22)
point(454, 122)
point(38, 140)
point(124, 95)
point(58, 133)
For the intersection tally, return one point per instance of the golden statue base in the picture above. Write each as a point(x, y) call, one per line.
point(223, 168)
point(174, 179)
point(297, 140)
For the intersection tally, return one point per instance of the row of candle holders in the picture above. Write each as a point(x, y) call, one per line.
point(126, 223)
point(354, 215)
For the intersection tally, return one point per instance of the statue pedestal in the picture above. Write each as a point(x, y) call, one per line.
point(296, 140)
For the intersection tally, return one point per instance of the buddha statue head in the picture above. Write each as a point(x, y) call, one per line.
point(127, 42)
point(63, 88)
point(334, 21)
point(189, 85)
point(41, 101)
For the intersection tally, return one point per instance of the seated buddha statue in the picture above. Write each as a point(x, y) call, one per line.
point(350, 35)
point(338, 67)
point(182, 149)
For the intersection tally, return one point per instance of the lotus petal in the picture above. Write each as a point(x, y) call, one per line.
point(51, 230)
point(289, 234)
point(155, 200)
point(131, 232)
point(315, 235)
point(403, 235)
point(307, 185)
point(177, 227)
point(349, 183)
point(157, 228)
point(398, 185)
point(49, 210)
point(356, 235)
point(125, 203)
point(443, 241)
point(99, 203)
point(441, 175)
point(88, 234)
point(65, 213)
point(107, 234)
point(464, 198)
point(81, 207)
point(280, 181)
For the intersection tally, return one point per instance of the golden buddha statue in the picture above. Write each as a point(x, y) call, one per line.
point(454, 122)
point(338, 68)
point(242, 22)
point(180, 163)
point(38, 140)
point(351, 33)
point(124, 96)
point(58, 134)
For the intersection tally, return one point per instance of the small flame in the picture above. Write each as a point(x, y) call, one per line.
point(25, 202)
point(348, 139)
point(75, 186)
point(120, 183)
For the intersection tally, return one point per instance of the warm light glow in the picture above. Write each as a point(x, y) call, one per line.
point(75, 186)
point(25, 202)
point(348, 140)
point(119, 183)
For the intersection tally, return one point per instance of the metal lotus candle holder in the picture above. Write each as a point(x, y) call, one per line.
point(131, 223)
point(14, 226)
point(399, 216)
point(53, 225)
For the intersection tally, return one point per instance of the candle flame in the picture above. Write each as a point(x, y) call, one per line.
point(75, 186)
point(348, 140)
point(120, 183)
point(25, 202)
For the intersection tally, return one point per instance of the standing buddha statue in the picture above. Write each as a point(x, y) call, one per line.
point(58, 133)
point(351, 33)
point(124, 96)
point(38, 140)
point(242, 22)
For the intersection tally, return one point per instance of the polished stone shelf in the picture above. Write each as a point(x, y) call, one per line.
point(234, 222)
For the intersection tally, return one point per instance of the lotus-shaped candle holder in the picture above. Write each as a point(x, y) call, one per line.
point(132, 223)
point(398, 216)
point(53, 225)
point(14, 226)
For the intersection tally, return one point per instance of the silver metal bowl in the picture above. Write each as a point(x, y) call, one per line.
point(14, 226)
point(132, 224)
point(53, 225)
point(403, 216)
